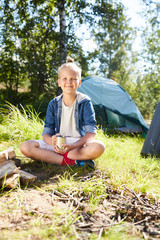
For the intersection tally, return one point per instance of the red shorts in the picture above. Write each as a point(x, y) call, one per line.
point(67, 161)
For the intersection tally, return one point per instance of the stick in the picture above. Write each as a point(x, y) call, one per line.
point(100, 233)
point(67, 197)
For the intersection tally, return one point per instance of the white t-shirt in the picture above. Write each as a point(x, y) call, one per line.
point(68, 125)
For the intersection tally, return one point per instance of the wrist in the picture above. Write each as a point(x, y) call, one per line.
point(48, 139)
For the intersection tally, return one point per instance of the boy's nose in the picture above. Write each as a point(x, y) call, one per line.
point(69, 80)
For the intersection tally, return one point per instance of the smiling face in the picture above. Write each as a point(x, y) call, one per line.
point(68, 80)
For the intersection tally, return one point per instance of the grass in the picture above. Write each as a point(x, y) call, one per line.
point(19, 125)
point(121, 164)
point(126, 166)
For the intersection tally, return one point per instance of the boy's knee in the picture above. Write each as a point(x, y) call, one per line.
point(96, 149)
point(26, 147)
point(100, 147)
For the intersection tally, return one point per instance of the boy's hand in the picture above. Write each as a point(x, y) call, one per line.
point(53, 140)
point(67, 148)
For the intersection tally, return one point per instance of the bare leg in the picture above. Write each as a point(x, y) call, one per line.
point(92, 150)
point(31, 149)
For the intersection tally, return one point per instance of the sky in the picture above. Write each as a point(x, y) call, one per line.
point(133, 7)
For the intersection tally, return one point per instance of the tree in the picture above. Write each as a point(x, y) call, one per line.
point(9, 61)
point(151, 54)
point(38, 40)
point(113, 37)
point(45, 39)
point(46, 31)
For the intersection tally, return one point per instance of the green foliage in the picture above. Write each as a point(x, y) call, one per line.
point(20, 125)
point(9, 61)
point(33, 45)
point(36, 36)
point(149, 83)
point(121, 232)
point(113, 37)
point(146, 94)
point(27, 99)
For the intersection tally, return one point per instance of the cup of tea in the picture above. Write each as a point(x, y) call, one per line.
point(59, 141)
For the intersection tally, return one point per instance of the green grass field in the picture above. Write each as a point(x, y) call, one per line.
point(121, 164)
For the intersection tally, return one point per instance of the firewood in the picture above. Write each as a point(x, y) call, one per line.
point(10, 181)
point(3, 157)
point(26, 177)
point(7, 154)
point(17, 161)
point(10, 153)
point(7, 168)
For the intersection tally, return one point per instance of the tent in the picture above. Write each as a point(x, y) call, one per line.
point(114, 108)
point(151, 146)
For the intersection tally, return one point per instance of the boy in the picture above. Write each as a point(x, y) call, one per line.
point(71, 114)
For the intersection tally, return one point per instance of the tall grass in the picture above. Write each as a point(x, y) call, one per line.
point(121, 160)
point(19, 125)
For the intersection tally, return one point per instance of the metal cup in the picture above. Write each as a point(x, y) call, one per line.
point(60, 140)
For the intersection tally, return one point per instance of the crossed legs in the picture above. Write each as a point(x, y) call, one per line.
point(91, 150)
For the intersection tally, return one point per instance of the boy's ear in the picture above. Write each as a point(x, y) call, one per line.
point(58, 82)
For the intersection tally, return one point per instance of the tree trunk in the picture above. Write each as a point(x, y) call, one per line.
point(63, 34)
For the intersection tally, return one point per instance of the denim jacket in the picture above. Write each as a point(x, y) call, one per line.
point(84, 115)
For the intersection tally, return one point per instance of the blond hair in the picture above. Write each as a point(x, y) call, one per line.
point(72, 65)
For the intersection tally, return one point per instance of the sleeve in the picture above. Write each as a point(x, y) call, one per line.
point(89, 118)
point(49, 123)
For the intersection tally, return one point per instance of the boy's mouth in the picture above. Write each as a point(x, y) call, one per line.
point(69, 86)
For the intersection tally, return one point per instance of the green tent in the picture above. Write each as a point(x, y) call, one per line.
point(115, 109)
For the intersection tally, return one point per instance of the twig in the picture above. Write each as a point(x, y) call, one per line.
point(59, 194)
point(72, 212)
point(141, 201)
point(71, 206)
point(84, 225)
point(61, 222)
point(134, 194)
point(144, 220)
point(100, 226)
point(67, 197)
point(75, 232)
point(145, 236)
point(100, 233)
point(111, 224)
point(63, 199)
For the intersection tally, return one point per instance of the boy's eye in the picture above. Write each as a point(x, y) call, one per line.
point(71, 79)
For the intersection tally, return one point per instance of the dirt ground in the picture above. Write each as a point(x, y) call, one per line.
point(43, 202)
